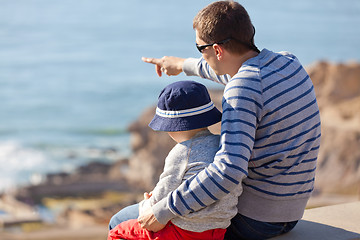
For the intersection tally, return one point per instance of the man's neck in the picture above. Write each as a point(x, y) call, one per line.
point(236, 61)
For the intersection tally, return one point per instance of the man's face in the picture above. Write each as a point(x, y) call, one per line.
point(209, 55)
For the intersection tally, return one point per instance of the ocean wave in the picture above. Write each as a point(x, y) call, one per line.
point(18, 164)
point(23, 164)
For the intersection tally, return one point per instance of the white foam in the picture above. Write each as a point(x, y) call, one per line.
point(18, 164)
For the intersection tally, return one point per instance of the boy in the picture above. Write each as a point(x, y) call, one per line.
point(185, 111)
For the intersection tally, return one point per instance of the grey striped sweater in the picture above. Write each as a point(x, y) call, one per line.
point(270, 138)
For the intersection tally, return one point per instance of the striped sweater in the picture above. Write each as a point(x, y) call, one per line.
point(270, 138)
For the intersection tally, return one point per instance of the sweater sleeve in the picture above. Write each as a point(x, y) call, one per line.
point(241, 111)
point(199, 67)
point(171, 177)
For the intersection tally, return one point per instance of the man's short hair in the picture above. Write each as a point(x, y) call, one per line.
point(226, 19)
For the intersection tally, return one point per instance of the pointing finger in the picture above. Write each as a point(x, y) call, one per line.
point(151, 60)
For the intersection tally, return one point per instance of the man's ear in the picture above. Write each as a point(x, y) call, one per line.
point(219, 51)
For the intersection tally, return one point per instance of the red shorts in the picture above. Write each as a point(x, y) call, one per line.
point(131, 230)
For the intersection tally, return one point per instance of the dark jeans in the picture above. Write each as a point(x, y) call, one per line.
point(246, 228)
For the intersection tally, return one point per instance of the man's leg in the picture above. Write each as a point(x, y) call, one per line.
point(127, 213)
point(246, 228)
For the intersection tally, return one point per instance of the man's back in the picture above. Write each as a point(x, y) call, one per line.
point(283, 159)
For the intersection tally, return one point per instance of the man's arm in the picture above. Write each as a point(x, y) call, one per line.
point(199, 67)
point(173, 66)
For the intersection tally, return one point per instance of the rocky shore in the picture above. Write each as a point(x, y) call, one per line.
point(337, 88)
point(79, 205)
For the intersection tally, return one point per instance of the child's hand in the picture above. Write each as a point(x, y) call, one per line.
point(147, 195)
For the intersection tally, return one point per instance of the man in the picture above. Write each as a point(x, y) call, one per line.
point(270, 131)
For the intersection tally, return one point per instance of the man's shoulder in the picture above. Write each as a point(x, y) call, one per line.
point(287, 54)
point(270, 59)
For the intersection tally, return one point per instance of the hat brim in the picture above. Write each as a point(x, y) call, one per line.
point(206, 119)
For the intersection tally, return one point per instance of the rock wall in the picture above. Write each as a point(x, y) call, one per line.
point(150, 149)
point(337, 87)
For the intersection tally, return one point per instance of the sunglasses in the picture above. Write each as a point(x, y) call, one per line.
point(202, 47)
point(251, 45)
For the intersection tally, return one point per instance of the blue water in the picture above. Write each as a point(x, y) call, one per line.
point(72, 79)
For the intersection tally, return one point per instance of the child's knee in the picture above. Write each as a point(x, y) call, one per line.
point(113, 222)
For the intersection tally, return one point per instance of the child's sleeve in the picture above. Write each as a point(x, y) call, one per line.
point(171, 177)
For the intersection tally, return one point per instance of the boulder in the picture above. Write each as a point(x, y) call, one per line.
point(337, 87)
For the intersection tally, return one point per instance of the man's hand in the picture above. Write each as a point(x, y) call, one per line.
point(171, 66)
point(148, 221)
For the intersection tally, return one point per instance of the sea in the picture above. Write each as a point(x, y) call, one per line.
point(72, 79)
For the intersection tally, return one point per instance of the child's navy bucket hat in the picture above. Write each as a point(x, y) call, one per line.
point(183, 106)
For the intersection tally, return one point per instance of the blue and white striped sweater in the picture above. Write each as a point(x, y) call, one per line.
point(270, 138)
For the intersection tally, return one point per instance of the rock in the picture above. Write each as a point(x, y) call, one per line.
point(16, 213)
point(338, 169)
point(337, 87)
point(149, 148)
point(92, 179)
point(335, 83)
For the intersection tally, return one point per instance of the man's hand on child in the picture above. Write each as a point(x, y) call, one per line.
point(148, 221)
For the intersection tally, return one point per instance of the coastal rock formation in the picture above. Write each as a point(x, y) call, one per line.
point(337, 88)
point(149, 148)
point(335, 83)
point(89, 180)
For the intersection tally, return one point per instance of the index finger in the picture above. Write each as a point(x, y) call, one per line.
point(156, 61)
